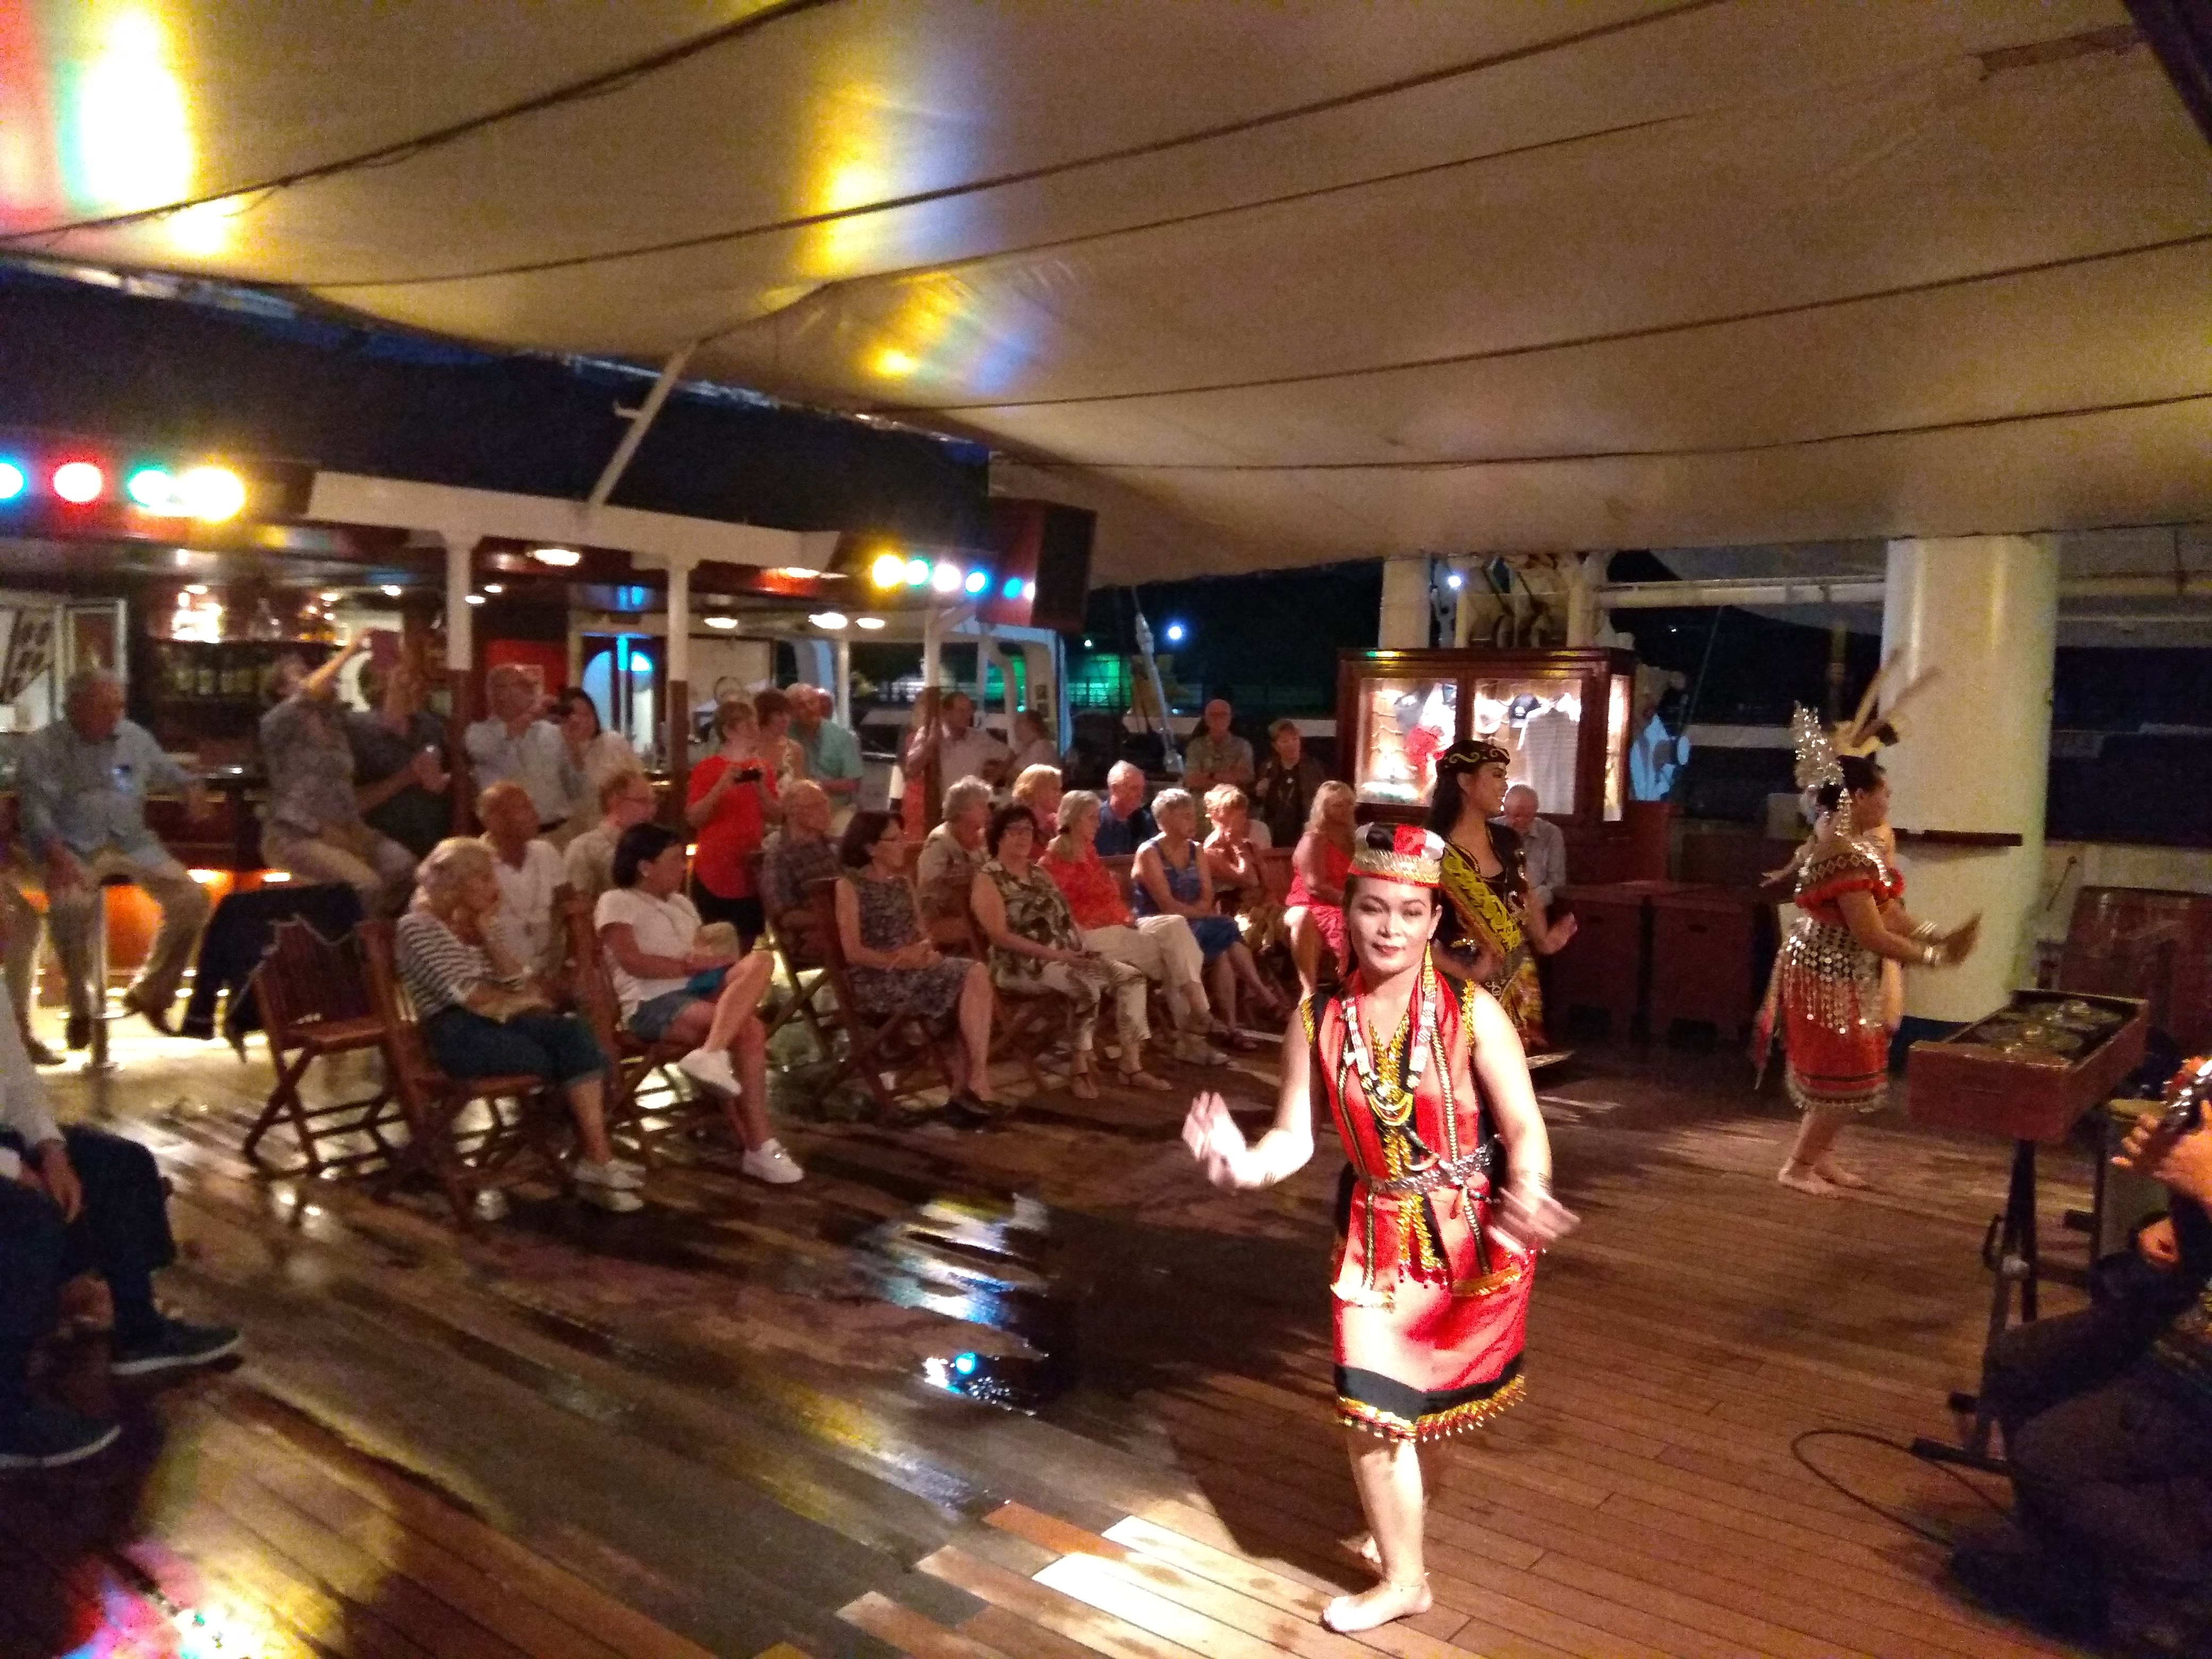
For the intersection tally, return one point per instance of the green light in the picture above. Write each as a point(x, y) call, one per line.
point(152, 489)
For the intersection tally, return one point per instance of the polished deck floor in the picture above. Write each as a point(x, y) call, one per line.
point(1035, 1391)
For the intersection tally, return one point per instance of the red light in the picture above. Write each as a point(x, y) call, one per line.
point(79, 482)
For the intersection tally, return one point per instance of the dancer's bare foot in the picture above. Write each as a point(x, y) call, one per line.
point(1348, 1614)
point(1837, 1176)
point(1803, 1178)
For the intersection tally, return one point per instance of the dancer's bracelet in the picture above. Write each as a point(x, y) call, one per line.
point(1929, 955)
point(1926, 930)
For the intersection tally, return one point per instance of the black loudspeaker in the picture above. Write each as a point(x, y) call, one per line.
point(1050, 544)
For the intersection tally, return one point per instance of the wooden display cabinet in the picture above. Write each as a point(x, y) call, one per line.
point(1561, 715)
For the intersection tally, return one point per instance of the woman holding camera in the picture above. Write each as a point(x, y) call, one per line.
point(731, 803)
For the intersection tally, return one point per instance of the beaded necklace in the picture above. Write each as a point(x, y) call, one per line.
point(1390, 1095)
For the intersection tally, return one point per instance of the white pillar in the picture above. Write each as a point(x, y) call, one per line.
point(460, 582)
point(1404, 623)
point(842, 651)
point(1982, 613)
point(679, 624)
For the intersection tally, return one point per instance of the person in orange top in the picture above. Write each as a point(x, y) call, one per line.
point(731, 804)
point(1161, 948)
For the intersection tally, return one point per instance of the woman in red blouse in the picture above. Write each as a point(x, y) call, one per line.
point(731, 804)
point(1161, 948)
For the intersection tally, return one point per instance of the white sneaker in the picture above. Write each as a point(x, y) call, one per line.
point(769, 1162)
point(1193, 1050)
point(610, 1176)
point(710, 1067)
point(627, 1166)
point(606, 1198)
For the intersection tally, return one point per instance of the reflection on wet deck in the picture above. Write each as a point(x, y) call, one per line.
point(1033, 1390)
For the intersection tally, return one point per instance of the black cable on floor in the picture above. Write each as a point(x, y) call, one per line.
point(1940, 1540)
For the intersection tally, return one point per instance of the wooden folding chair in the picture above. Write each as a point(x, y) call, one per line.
point(635, 1061)
point(900, 1044)
point(464, 1161)
point(800, 962)
point(314, 1004)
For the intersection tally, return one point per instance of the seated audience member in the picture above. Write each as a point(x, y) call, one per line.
point(1238, 875)
point(1161, 948)
point(1282, 790)
point(400, 780)
point(532, 880)
point(733, 800)
point(950, 855)
point(891, 962)
point(2107, 1418)
point(1215, 753)
point(82, 786)
point(625, 799)
point(515, 744)
point(1543, 843)
point(1314, 911)
point(1035, 946)
point(1124, 823)
point(312, 827)
point(481, 1017)
point(1033, 744)
point(677, 987)
point(793, 858)
point(71, 1201)
point(595, 755)
point(1170, 878)
point(1039, 789)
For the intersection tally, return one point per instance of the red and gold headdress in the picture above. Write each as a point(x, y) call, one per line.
point(1399, 852)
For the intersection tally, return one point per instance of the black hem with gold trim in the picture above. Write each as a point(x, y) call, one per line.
point(1396, 1410)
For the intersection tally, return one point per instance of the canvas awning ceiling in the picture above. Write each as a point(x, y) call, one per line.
point(1265, 283)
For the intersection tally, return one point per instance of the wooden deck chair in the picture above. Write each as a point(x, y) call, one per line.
point(801, 963)
point(522, 1118)
point(314, 1004)
point(900, 1044)
point(630, 1120)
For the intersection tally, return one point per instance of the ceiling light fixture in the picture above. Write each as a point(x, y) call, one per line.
point(725, 624)
point(561, 558)
point(871, 624)
point(831, 620)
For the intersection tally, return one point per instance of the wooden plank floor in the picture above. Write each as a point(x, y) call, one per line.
point(716, 1427)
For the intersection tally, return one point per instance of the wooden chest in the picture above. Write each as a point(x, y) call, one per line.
point(1965, 1081)
point(1705, 954)
point(1602, 967)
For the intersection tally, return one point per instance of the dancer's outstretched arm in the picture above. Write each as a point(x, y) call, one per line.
point(1219, 1145)
point(1532, 1214)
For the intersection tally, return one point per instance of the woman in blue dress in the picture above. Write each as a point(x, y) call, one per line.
point(1170, 878)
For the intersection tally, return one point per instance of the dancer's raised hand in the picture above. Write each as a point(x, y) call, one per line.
point(1215, 1142)
point(1533, 1218)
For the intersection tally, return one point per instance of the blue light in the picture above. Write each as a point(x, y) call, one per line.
point(964, 1364)
point(1174, 633)
point(1012, 590)
point(640, 663)
point(13, 481)
point(976, 582)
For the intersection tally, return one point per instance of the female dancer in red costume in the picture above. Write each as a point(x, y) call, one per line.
point(1826, 1000)
point(1445, 1202)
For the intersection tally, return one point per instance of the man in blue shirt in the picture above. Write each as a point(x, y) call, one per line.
point(1124, 823)
point(84, 784)
point(833, 753)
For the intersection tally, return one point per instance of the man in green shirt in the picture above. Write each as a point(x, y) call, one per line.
point(833, 753)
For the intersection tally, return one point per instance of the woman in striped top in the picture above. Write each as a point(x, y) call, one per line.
point(481, 1017)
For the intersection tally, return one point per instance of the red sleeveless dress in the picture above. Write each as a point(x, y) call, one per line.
point(1431, 1307)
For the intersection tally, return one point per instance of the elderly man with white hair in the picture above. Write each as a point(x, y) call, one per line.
point(1125, 823)
point(515, 744)
point(84, 780)
point(1544, 846)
